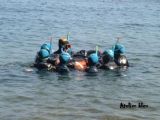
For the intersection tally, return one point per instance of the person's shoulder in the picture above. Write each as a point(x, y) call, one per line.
point(56, 52)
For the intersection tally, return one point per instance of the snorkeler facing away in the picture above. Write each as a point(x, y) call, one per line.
point(85, 60)
point(107, 60)
point(64, 58)
point(92, 62)
point(87, 64)
point(114, 57)
point(43, 59)
point(119, 57)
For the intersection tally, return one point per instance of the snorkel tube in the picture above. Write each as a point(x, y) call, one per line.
point(68, 46)
point(68, 36)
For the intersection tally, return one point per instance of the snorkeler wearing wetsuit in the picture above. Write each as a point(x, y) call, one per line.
point(119, 57)
point(43, 58)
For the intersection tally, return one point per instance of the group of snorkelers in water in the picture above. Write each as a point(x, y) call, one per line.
point(64, 59)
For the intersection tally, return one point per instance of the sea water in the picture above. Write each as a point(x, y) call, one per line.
point(29, 94)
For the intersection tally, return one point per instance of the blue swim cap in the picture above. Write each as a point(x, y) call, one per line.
point(47, 46)
point(93, 59)
point(43, 53)
point(109, 52)
point(64, 57)
point(119, 49)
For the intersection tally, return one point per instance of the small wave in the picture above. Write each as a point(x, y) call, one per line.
point(92, 110)
point(145, 72)
point(145, 55)
point(28, 69)
point(135, 24)
point(17, 63)
point(18, 98)
point(157, 56)
point(107, 117)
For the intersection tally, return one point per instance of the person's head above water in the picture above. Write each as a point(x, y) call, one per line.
point(63, 42)
point(47, 46)
point(64, 58)
point(119, 57)
point(119, 49)
point(109, 52)
point(93, 59)
point(43, 53)
point(92, 62)
point(107, 56)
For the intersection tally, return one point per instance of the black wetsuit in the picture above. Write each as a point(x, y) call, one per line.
point(107, 62)
point(45, 63)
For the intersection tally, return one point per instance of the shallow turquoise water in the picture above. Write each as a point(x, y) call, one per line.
point(34, 95)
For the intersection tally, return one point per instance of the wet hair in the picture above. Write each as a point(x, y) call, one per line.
point(62, 41)
point(106, 58)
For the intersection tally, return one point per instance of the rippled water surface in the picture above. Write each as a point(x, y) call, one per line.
point(28, 94)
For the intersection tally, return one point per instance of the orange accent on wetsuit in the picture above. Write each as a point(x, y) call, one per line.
point(81, 65)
